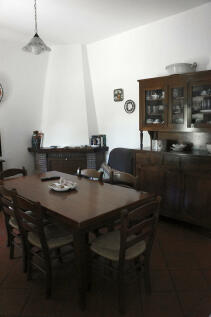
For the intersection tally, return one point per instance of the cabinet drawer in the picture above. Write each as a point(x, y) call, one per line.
point(196, 164)
point(148, 158)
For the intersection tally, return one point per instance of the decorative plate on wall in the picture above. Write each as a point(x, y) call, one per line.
point(1, 92)
point(130, 106)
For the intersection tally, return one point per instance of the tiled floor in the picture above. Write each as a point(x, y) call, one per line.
point(180, 273)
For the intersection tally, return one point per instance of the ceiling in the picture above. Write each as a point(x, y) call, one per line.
point(84, 21)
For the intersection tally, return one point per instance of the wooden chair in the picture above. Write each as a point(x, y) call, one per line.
point(41, 239)
point(13, 172)
point(132, 244)
point(90, 173)
point(124, 179)
point(10, 222)
point(14, 237)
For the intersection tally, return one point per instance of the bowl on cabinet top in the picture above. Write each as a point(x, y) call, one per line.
point(178, 147)
point(180, 68)
point(209, 148)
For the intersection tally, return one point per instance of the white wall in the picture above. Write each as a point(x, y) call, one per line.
point(64, 120)
point(22, 76)
point(118, 62)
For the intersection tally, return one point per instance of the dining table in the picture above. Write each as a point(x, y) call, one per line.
point(91, 205)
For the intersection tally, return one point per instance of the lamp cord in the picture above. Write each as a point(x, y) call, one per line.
point(35, 15)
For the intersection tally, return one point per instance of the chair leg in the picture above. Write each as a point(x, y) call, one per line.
point(48, 282)
point(58, 253)
point(89, 271)
point(24, 255)
point(29, 264)
point(11, 246)
point(121, 292)
point(8, 230)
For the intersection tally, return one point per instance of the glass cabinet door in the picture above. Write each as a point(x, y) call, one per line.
point(200, 105)
point(155, 107)
point(177, 106)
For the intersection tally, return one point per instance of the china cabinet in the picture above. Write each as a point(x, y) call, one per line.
point(176, 103)
point(177, 109)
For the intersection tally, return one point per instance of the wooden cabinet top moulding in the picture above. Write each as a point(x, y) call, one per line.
point(180, 102)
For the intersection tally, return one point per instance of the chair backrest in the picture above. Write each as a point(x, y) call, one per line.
point(139, 223)
point(30, 218)
point(122, 159)
point(13, 172)
point(122, 178)
point(6, 201)
point(90, 173)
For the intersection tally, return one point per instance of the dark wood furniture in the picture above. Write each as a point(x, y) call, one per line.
point(90, 173)
point(182, 179)
point(131, 244)
point(92, 205)
point(10, 172)
point(67, 160)
point(10, 222)
point(176, 103)
point(14, 238)
point(177, 109)
point(124, 179)
point(40, 238)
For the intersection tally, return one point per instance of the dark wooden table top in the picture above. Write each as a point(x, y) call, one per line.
point(91, 202)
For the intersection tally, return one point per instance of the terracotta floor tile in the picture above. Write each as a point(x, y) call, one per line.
point(163, 304)
point(203, 309)
point(161, 281)
point(190, 301)
point(12, 301)
point(189, 280)
point(203, 255)
point(37, 305)
point(157, 260)
point(181, 260)
point(16, 278)
point(207, 276)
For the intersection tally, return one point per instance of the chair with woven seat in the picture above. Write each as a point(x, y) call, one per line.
point(14, 238)
point(90, 173)
point(124, 179)
point(132, 244)
point(10, 223)
point(41, 239)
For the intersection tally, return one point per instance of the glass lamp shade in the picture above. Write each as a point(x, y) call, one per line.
point(36, 46)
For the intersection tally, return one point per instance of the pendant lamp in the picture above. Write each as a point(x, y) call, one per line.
point(36, 44)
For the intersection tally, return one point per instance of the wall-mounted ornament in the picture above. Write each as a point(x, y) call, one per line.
point(118, 94)
point(130, 106)
point(1, 92)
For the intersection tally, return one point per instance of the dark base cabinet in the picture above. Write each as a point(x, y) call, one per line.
point(182, 179)
point(68, 160)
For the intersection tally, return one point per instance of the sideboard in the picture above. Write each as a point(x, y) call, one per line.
point(182, 179)
point(67, 160)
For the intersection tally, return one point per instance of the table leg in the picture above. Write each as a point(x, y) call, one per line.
point(81, 254)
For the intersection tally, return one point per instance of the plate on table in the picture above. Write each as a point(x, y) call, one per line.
point(58, 187)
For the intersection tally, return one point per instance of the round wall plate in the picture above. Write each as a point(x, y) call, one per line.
point(1, 92)
point(130, 106)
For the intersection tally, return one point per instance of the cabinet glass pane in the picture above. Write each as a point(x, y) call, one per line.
point(154, 106)
point(177, 104)
point(201, 105)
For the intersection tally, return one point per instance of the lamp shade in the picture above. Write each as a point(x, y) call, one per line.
point(36, 46)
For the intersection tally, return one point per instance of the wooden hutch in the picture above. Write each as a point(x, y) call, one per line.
point(177, 109)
